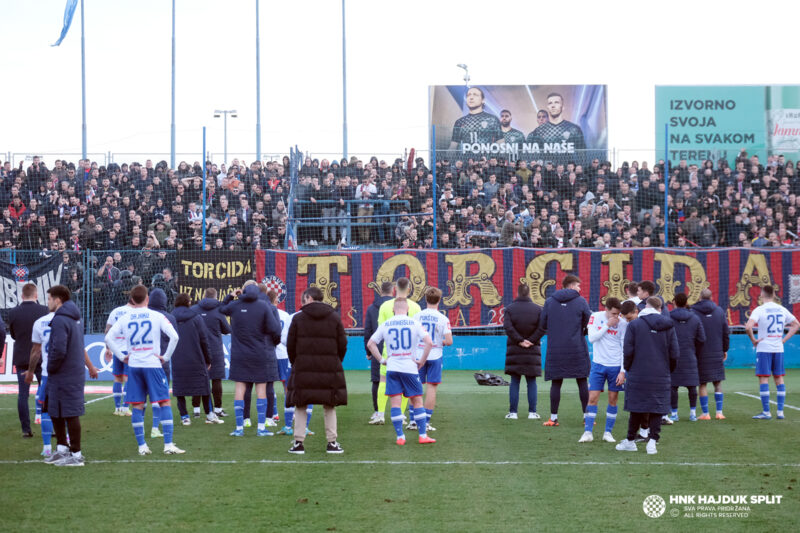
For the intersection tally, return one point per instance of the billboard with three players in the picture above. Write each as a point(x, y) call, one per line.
point(529, 122)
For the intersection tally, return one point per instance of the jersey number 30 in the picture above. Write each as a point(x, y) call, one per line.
point(401, 339)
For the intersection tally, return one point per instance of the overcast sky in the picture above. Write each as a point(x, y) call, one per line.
point(395, 50)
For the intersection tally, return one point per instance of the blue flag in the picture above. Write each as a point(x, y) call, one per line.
point(68, 12)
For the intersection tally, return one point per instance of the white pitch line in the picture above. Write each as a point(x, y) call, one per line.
point(417, 463)
point(98, 399)
point(771, 401)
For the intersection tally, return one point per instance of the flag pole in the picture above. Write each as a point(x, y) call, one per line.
point(83, 86)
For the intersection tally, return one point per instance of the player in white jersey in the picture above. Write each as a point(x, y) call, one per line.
point(438, 327)
point(606, 333)
point(401, 335)
point(119, 369)
point(136, 340)
point(771, 319)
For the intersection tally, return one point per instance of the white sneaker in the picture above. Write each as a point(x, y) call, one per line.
point(270, 422)
point(155, 433)
point(586, 437)
point(378, 419)
point(511, 416)
point(144, 450)
point(247, 423)
point(608, 437)
point(212, 418)
point(534, 416)
point(117, 411)
point(651, 447)
point(626, 446)
point(125, 411)
point(412, 426)
point(171, 449)
point(667, 420)
point(186, 421)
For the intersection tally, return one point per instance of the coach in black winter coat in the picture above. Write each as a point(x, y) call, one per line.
point(711, 359)
point(255, 332)
point(217, 326)
point(520, 323)
point(192, 356)
point(65, 363)
point(316, 345)
point(650, 354)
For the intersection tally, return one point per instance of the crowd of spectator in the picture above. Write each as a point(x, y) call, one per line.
point(137, 211)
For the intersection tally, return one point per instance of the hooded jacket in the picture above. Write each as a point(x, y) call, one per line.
point(216, 326)
point(65, 363)
point(255, 331)
point(565, 315)
point(664, 311)
point(691, 337)
point(711, 358)
point(650, 355)
point(520, 322)
point(192, 355)
point(158, 302)
point(316, 344)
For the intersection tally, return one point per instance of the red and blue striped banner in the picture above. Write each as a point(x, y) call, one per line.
point(478, 284)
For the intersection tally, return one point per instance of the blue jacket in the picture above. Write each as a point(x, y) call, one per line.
point(691, 337)
point(65, 363)
point(256, 331)
point(651, 353)
point(217, 326)
point(521, 321)
point(20, 326)
point(158, 302)
point(192, 356)
point(710, 360)
point(564, 319)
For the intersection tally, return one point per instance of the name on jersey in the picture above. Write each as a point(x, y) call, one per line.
point(562, 147)
point(134, 316)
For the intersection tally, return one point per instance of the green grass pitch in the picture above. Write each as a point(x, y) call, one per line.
point(485, 473)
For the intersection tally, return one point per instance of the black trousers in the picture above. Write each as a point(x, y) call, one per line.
point(652, 419)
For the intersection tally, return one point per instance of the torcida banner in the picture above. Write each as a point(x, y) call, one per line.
point(478, 284)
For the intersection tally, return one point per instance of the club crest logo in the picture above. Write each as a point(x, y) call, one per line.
point(274, 283)
point(21, 273)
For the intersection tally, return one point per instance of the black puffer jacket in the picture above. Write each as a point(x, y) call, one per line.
point(521, 322)
point(316, 345)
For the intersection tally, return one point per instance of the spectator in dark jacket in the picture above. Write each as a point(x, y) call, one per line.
point(650, 354)
point(316, 344)
point(255, 333)
point(192, 360)
point(565, 315)
point(370, 326)
point(691, 337)
point(20, 326)
point(66, 376)
point(217, 326)
point(711, 359)
point(523, 355)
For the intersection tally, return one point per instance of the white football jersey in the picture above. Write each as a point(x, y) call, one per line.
point(606, 341)
point(771, 319)
point(401, 335)
point(138, 333)
point(437, 325)
point(41, 335)
point(286, 321)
